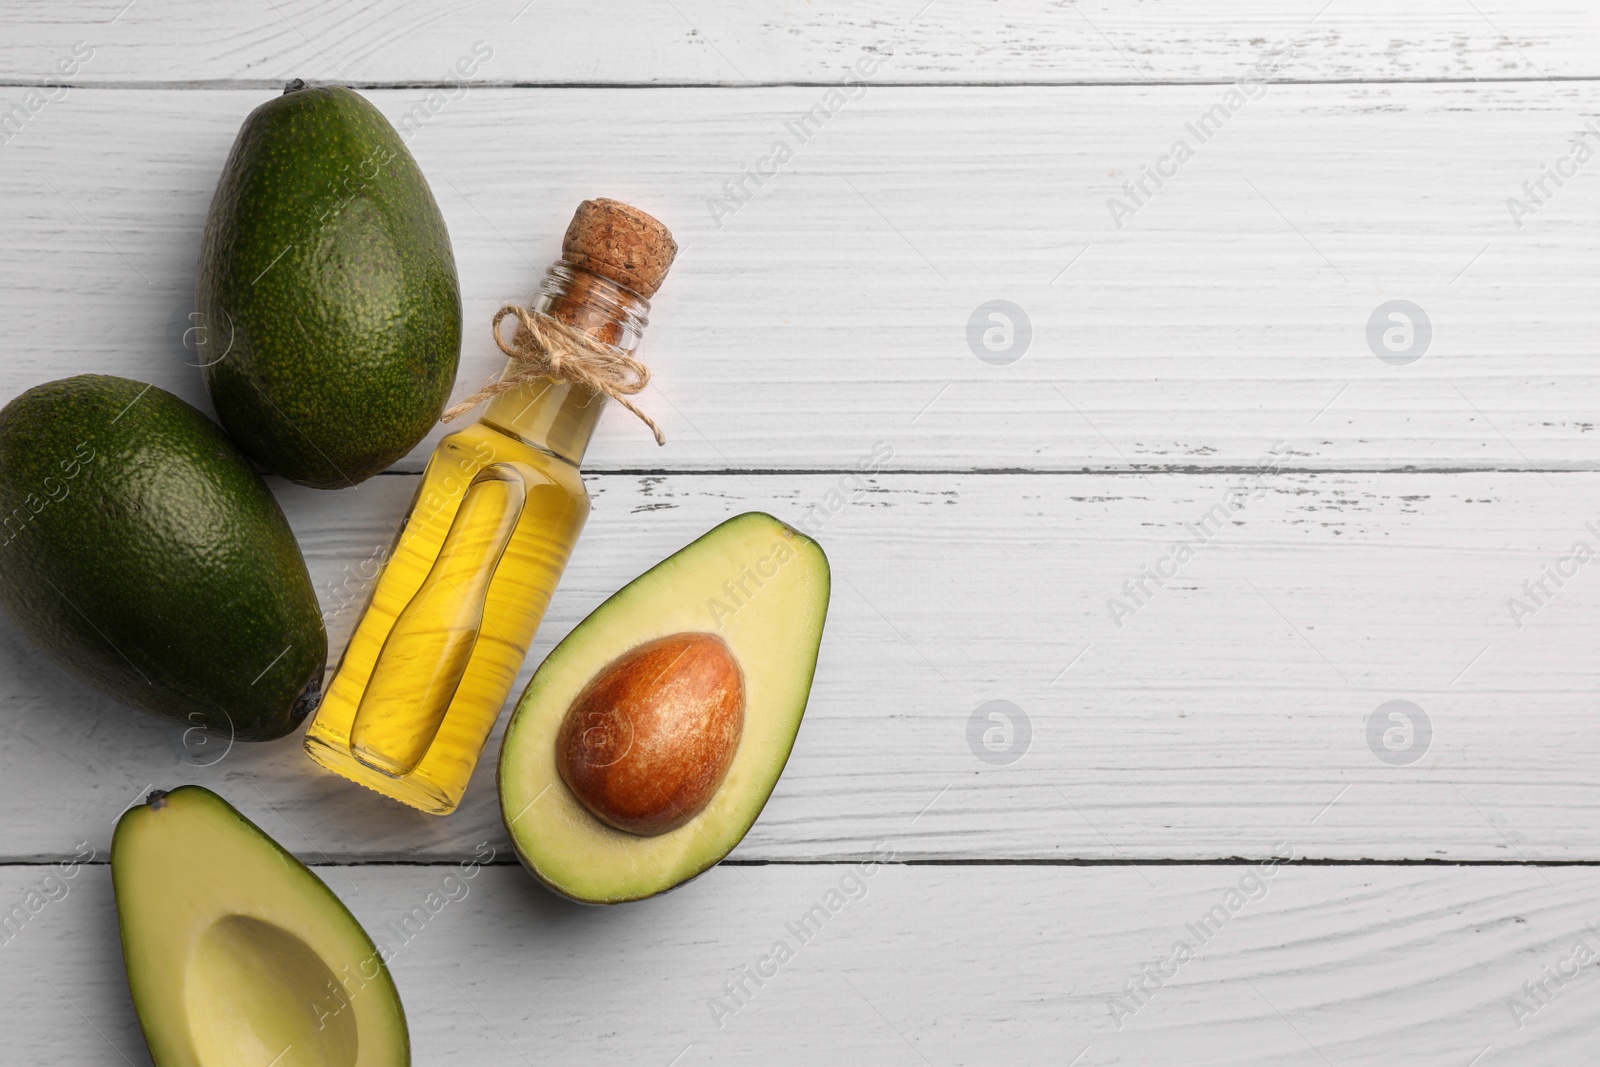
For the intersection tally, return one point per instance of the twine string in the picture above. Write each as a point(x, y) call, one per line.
point(543, 347)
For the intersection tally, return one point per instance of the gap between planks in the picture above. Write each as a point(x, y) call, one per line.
point(1144, 861)
point(262, 84)
point(1093, 472)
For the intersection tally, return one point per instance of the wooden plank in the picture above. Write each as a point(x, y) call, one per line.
point(1313, 966)
point(831, 312)
point(1230, 708)
point(732, 44)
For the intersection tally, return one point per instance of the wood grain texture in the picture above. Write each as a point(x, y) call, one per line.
point(924, 966)
point(1228, 710)
point(692, 41)
point(832, 310)
point(817, 324)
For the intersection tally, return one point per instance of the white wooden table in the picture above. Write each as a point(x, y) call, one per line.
point(1206, 342)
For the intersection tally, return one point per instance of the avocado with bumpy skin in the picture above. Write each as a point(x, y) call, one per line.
point(237, 953)
point(649, 740)
point(142, 551)
point(327, 291)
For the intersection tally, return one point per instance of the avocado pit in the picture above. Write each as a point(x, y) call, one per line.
point(648, 741)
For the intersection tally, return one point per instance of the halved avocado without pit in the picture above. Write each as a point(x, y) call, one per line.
point(649, 740)
point(236, 953)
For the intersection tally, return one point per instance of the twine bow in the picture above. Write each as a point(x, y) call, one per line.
point(542, 347)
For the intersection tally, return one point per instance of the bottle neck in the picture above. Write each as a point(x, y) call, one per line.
point(560, 417)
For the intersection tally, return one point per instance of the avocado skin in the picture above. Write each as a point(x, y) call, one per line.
point(141, 550)
point(328, 292)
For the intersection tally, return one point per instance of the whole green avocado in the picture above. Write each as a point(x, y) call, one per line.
point(327, 291)
point(141, 550)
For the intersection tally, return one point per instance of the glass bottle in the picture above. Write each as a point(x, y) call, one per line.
point(501, 504)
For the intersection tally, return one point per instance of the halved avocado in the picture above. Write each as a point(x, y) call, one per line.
point(237, 953)
point(752, 591)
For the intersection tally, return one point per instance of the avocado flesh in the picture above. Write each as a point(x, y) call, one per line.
point(773, 631)
point(237, 954)
point(329, 308)
point(143, 552)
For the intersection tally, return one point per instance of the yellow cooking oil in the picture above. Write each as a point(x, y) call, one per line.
point(459, 598)
point(451, 616)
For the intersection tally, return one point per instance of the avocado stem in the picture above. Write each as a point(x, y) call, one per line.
point(294, 86)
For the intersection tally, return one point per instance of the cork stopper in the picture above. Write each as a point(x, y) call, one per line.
point(620, 242)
